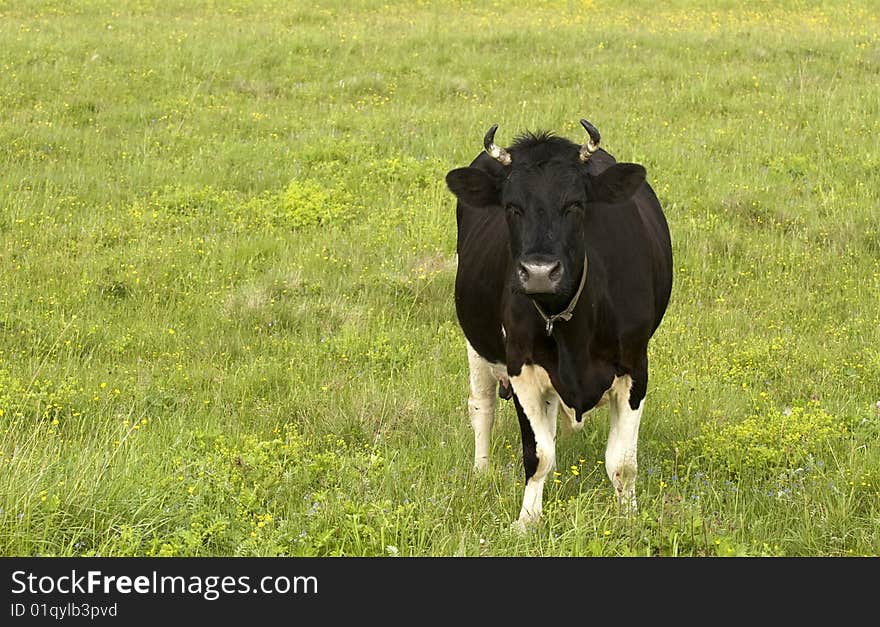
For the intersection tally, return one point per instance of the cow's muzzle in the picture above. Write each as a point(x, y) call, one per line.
point(540, 274)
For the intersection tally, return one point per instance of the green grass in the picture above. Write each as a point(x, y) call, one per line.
point(227, 261)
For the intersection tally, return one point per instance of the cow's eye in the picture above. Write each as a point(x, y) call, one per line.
point(513, 210)
point(573, 208)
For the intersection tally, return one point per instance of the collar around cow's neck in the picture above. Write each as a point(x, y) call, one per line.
point(566, 314)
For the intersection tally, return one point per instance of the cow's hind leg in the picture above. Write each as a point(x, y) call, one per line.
point(536, 406)
point(621, 453)
point(481, 405)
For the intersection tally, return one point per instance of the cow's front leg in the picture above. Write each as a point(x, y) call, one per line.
point(623, 438)
point(481, 406)
point(536, 407)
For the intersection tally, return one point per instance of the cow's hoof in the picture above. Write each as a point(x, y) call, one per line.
point(504, 391)
point(521, 528)
point(525, 524)
point(627, 502)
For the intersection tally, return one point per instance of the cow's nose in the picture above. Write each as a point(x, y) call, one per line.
point(540, 275)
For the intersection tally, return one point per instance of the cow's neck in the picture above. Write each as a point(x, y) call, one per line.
point(566, 314)
point(583, 375)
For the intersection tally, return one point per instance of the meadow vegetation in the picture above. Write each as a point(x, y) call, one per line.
point(227, 264)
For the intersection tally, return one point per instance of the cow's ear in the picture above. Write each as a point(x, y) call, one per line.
point(619, 182)
point(473, 187)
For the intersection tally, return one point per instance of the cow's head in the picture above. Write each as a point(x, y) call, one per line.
point(542, 184)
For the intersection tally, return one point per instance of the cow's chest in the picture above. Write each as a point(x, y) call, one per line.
point(578, 393)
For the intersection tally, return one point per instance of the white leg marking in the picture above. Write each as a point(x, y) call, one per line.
point(540, 404)
point(481, 405)
point(623, 439)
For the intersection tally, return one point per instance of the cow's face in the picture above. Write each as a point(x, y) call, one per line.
point(544, 208)
point(545, 201)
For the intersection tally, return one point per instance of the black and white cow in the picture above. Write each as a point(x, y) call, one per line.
point(564, 273)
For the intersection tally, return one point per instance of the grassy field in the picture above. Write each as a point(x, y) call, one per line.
point(227, 262)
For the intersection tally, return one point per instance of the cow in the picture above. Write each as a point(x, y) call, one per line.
point(564, 274)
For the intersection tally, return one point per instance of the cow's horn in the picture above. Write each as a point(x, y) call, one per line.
point(495, 151)
point(592, 144)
